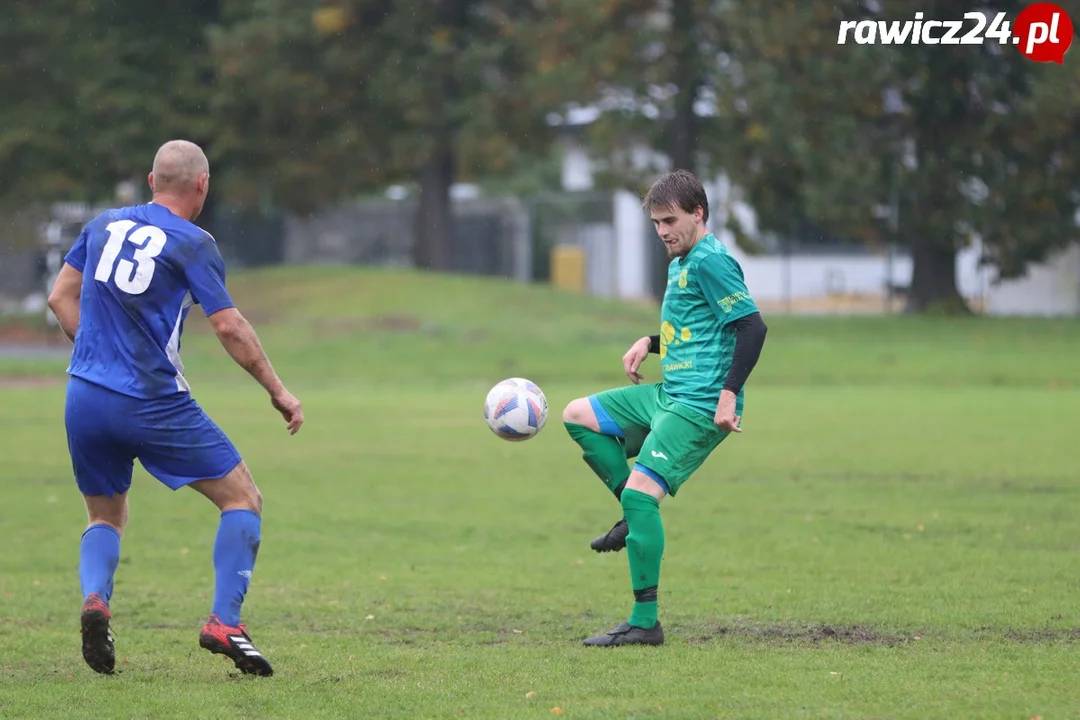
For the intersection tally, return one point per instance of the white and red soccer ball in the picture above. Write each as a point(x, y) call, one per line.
point(516, 409)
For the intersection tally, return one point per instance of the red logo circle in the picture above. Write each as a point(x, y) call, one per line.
point(1043, 32)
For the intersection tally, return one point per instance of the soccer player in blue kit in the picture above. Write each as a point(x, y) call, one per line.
point(122, 297)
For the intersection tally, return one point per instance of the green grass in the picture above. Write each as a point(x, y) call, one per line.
point(894, 535)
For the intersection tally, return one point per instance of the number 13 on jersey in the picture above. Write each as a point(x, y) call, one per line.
point(131, 276)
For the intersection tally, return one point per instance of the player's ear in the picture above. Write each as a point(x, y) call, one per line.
point(150, 180)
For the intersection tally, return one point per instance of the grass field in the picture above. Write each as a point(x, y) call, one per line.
point(894, 535)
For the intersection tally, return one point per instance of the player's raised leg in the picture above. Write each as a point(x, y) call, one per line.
point(601, 440)
point(603, 451)
point(645, 550)
point(235, 551)
point(610, 428)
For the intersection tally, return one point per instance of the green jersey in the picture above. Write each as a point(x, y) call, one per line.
point(705, 293)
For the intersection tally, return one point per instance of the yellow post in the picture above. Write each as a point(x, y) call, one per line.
point(568, 267)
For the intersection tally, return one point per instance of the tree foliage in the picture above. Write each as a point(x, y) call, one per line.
point(324, 100)
point(91, 90)
point(972, 138)
point(302, 103)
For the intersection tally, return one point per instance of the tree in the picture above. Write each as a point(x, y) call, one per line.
point(296, 121)
point(643, 65)
point(996, 157)
point(90, 94)
point(346, 96)
point(977, 140)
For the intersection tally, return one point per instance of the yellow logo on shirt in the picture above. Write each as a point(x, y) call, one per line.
point(667, 336)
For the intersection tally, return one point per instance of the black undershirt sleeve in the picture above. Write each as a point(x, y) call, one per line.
point(749, 339)
point(654, 344)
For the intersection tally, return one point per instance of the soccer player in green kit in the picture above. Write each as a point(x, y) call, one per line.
point(711, 335)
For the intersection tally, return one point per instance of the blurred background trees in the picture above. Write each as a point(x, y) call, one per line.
point(305, 103)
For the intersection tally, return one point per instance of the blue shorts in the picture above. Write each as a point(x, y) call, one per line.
point(171, 436)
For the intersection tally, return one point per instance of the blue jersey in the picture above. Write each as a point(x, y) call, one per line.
point(143, 268)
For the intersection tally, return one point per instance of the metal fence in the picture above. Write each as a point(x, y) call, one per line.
point(32, 245)
point(515, 238)
point(489, 236)
point(580, 219)
point(504, 236)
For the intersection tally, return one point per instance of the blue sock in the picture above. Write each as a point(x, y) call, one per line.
point(235, 550)
point(99, 553)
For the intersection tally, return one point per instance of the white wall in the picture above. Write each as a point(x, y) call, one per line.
point(777, 278)
point(633, 250)
point(1050, 288)
point(619, 261)
point(819, 276)
point(577, 166)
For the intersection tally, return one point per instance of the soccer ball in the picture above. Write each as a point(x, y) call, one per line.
point(516, 409)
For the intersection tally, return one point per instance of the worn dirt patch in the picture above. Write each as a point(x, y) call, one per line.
point(1039, 636)
point(791, 633)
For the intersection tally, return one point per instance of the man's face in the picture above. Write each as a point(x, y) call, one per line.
point(677, 228)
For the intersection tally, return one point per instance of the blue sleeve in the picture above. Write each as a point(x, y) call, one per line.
point(206, 278)
point(722, 283)
point(76, 256)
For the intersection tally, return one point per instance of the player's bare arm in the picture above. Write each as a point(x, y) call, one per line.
point(749, 339)
point(638, 352)
point(634, 357)
point(64, 299)
point(239, 339)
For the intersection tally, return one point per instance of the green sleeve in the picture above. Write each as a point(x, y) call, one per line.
point(722, 283)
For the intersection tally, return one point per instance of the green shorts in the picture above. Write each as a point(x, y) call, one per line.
point(667, 438)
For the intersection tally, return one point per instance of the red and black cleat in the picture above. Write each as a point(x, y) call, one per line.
point(97, 642)
point(235, 644)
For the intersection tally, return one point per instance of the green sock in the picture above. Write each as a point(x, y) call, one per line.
point(644, 549)
point(604, 454)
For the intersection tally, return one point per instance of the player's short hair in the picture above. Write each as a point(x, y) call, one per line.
point(178, 163)
point(680, 189)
